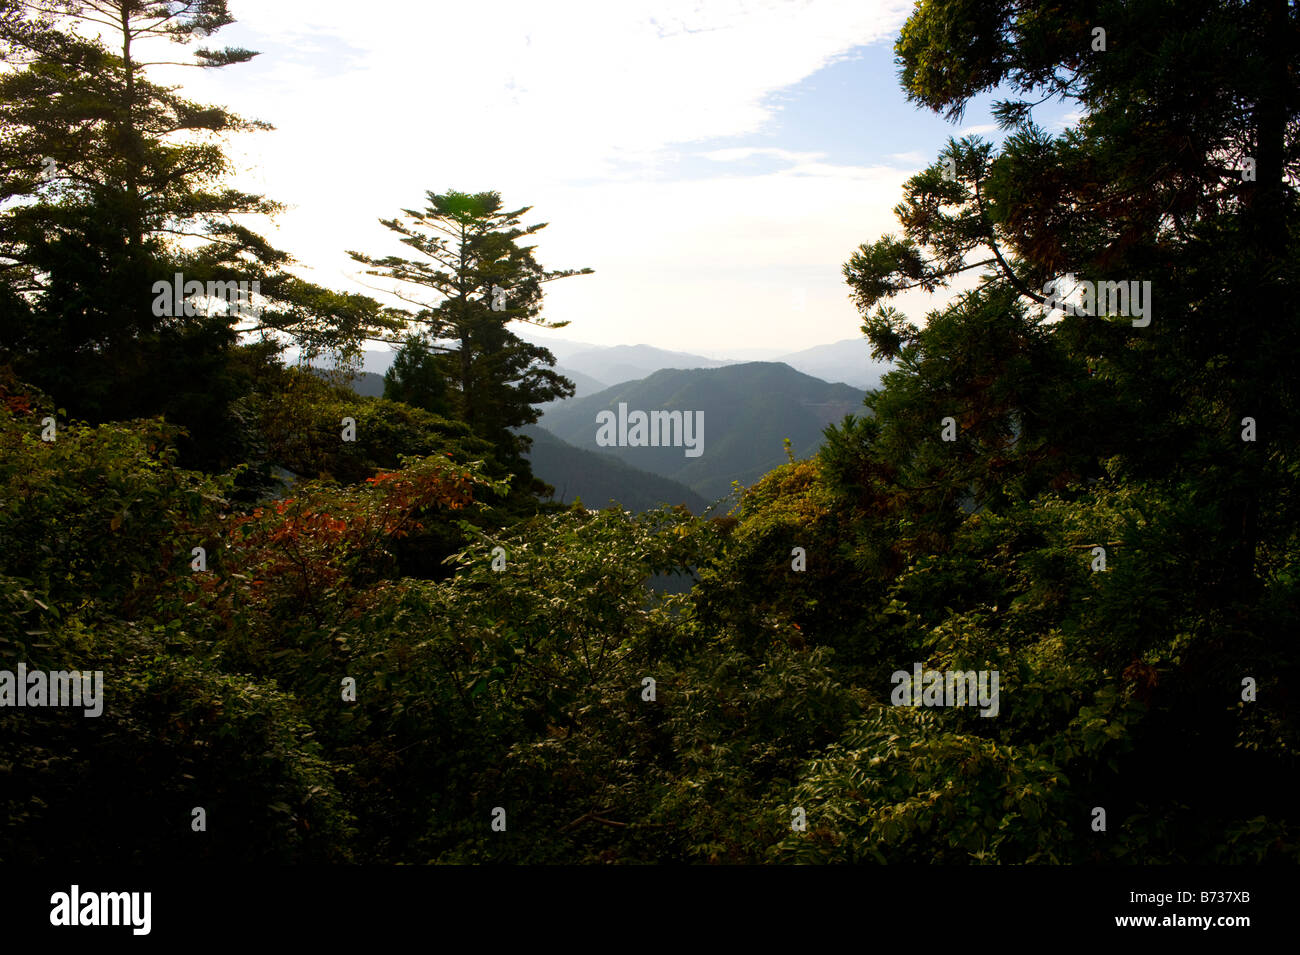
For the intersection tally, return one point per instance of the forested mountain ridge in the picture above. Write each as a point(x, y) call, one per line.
point(748, 411)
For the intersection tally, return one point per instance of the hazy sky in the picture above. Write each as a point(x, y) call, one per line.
point(715, 162)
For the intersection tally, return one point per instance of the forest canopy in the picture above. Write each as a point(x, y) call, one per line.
point(351, 629)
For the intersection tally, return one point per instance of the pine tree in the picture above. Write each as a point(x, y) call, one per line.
point(483, 280)
point(415, 378)
point(1176, 175)
point(110, 178)
point(1129, 434)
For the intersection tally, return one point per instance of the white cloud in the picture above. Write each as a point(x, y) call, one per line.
point(915, 159)
point(579, 109)
point(748, 152)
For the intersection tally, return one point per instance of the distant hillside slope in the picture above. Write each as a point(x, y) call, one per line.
point(600, 478)
point(848, 361)
point(363, 382)
point(368, 383)
point(583, 385)
point(748, 409)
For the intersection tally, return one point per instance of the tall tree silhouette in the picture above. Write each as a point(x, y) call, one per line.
point(481, 279)
point(114, 183)
point(1181, 172)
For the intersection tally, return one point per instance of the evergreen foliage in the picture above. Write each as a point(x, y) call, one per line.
point(386, 638)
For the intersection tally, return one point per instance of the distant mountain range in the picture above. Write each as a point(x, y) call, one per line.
point(848, 361)
point(593, 368)
point(748, 409)
point(629, 362)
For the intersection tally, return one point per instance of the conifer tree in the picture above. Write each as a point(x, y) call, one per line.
point(1178, 176)
point(473, 278)
point(114, 183)
point(415, 378)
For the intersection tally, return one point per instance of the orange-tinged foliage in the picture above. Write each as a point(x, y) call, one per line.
point(303, 548)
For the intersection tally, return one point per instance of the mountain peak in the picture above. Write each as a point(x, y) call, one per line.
point(747, 410)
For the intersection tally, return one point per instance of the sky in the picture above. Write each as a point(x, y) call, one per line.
point(715, 163)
